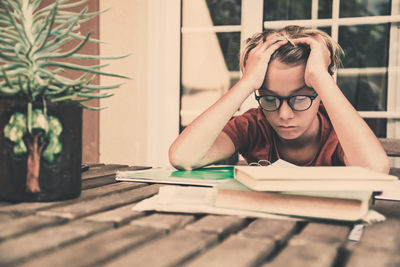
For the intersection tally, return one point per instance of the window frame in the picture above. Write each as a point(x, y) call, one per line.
point(252, 22)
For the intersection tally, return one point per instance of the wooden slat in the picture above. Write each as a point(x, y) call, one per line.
point(391, 146)
point(109, 189)
point(373, 258)
point(97, 249)
point(380, 240)
point(221, 225)
point(27, 224)
point(92, 206)
point(164, 221)
point(109, 169)
point(46, 240)
point(99, 181)
point(384, 236)
point(237, 250)
point(304, 254)
point(324, 233)
point(6, 217)
point(104, 175)
point(171, 250)
point(278, 230)
point(316, 245)
point(119, 216)
point(391, 209)
point(32, 207)
point(100, 171)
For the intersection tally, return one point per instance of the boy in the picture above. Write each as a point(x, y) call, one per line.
point(303, 116)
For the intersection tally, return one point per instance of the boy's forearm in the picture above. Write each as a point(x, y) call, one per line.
point(359, 143)
point(193, 144)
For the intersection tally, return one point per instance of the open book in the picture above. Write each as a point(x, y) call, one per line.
point(208, 176)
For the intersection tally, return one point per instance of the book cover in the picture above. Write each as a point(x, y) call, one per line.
point(275, 178)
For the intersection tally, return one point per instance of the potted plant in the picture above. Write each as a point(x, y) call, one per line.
point(40, 108)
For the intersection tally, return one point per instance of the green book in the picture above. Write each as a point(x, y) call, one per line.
point(208, 176)
point(333, 205)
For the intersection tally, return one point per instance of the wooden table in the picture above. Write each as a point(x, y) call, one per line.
point(100, 229)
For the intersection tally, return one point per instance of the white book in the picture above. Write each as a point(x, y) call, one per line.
point(278, 178)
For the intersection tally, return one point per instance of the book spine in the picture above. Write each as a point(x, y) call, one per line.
point(295, 205)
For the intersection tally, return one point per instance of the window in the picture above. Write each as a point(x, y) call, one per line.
point(368, 31)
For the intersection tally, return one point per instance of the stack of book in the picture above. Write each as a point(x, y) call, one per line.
point(337, 193)
point(334, 193)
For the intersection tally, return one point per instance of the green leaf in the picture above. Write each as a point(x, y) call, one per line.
point(82, 56)
point(82, 68)
point(72, 5)
point(10, 86)
point(18, 119)
point(69, 53)
point(99, 87)
point(55, 126)
point(20, 148)
point(81, 37)
point(93, 108)
point(21, 34)
point(63, 98)
point(49, 25)
point(54, 147)
point(39, 121)
point(94, 95)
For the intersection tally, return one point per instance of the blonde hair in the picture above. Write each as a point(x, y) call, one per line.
point(294, 54)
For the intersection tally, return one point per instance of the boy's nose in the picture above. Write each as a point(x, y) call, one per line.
point(285, 111)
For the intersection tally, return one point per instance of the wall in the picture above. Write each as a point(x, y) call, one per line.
point(143, 116)
point(123, 123)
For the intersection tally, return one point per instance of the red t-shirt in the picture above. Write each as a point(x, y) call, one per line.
point(255, 139)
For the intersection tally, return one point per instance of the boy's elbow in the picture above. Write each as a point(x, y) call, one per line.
point(384, 165)
point(177, 161)
point(381, 165)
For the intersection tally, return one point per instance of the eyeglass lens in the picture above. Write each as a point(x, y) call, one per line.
point(298, 103)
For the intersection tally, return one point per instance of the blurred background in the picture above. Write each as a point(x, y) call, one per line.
point(185, 55)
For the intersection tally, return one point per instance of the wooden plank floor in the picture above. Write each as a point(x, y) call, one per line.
point(100, 229)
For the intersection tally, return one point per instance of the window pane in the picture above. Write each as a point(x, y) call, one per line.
point(328, 30)
point(365, 46)
point(225, 12)
point(367, 92)
point(230, 46)
point(209, 68)
point(287, 9)
point(378, 126)
point(325, 9)
point(207, 13)
point(363, 78)
point(362, 8)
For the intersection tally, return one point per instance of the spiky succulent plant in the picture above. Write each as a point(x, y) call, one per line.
point(32, 52)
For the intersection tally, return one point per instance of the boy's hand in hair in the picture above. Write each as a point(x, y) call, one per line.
point(258, 60)
point(318, 61)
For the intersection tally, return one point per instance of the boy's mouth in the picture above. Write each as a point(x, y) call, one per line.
point(286, 127)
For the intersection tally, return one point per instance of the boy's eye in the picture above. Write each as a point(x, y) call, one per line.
point(270, 98)
point(300, 98)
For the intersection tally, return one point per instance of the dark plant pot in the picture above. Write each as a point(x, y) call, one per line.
point(58, 180)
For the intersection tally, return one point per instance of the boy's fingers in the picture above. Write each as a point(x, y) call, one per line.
point(304, 40)
point(268, 45)
point(311, 41)
point(272, 48)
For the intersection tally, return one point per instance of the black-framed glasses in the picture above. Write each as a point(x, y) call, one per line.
point(295, 102)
